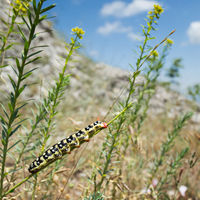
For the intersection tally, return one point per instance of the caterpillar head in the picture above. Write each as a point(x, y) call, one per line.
point(100, 125)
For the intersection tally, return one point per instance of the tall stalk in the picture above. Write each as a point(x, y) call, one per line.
point(8, 125)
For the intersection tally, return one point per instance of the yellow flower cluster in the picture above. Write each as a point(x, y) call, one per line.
point(79, 32)
point(157, 10)
point(19, 6)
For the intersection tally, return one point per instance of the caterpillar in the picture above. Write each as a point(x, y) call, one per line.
point(65, 146)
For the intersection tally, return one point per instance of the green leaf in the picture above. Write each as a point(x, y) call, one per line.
point(76, 47)
point(20, 122)
point(42, 18)
point(9, 130)
point(149, 91)
point(34, 6)
point(12, 97)
point(34, 53)
point(3, 66)
point(14, 170)
point(12, 132)
point(27, 75)
point(26, 47)
point(47, 8)
point(3, 134)
point(72, 40)
point(32, 60)
point(3, 142)
point(4, 39)
point(23, 36)
point(3, 120)
point(100, 172)
point(29, 17)
point(111, 170)
point(4, 110)
point(30, 71)
point(12, 81)
point(5, 23)
point(10, 107)
point(14, 70)
point(5, 174)
point(14, 145)
point(18, 65)
point(21, 89)
point(39, 46)
point(8, 47)
point(15, 114)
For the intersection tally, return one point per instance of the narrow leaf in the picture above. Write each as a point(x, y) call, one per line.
point(14, 70)
point(23, 36)
point(10, 107)
point(14, 145)
point(25, 22)
point(47, 8)
point(34, 53)
point(21, 89)
point(3, 66)
point(30, 71)
point(3, 141)
point(4, 22)
point(39, 46)
point(12, 132)
point(27, 75)
point(8, 47)
point(12, 81)
point(32, 60)
point(17, 63)
point(3, 120)
point(42, 18)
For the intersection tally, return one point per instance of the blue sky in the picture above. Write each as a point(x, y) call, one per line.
point(111, 27)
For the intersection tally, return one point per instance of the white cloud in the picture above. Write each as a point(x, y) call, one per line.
point(133, 36)
point(123, 9)
point(194, 32)
point(115, 27)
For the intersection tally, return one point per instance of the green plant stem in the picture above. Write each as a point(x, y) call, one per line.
point(58, 87)
point(7, 35)
point(16, 95)
point(52, 109)
point(40, 117)
point(113, 143)
point(166, 146)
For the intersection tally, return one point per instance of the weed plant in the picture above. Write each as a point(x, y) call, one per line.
point(125, 165)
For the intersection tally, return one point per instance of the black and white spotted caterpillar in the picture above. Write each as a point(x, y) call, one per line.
point(65, 146)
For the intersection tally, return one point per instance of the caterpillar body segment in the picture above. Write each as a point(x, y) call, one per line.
point(65, 146)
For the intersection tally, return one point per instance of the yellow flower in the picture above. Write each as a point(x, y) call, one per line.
point(169, 41)
point(155, 53)
point(79, 32)
point(150, 12)
point(157, 9)
point(19, 6)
